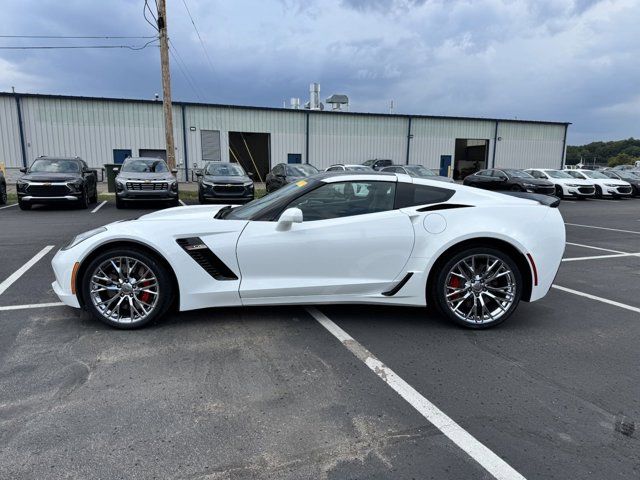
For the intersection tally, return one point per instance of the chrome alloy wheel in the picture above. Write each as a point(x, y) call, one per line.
point(480, 288)
point(124, 289)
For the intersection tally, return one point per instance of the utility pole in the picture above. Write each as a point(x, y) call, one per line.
point(166, 83)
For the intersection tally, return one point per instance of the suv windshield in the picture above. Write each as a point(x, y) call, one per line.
point(145, 165)
point(301, 170)
point(517, 173)
point(52, 165)
point(557, 174)
point(224, 170)
point(419, 171)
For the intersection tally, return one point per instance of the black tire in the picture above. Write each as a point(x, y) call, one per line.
point(559, 192)
point(598, 192)
point(201, 198)
point(517, 188)
point(83, 201)
point(165, 287)
point(24, 205)
point(439, 287)
point(120, 203)
point(3, 194)
point(94, 197)
point(174, 203)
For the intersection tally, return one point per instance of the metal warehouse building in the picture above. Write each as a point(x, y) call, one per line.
point(106, 130)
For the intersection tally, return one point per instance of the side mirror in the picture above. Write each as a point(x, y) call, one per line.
point(198, 173)
point(174, 171)
point(23, 169)
point(116, 169)
point(288, 218)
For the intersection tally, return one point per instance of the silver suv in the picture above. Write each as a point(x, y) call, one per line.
point(146, 179)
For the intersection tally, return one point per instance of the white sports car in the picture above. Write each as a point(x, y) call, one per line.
point(332, 238)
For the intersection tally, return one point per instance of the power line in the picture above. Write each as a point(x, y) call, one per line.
point(66, 47)
point(106, 37)
point(184, 70)
point(204, 49)
point(144, 14)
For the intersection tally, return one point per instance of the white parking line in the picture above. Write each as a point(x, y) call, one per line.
point(8, 206)
point(594, 248)
point(603, 228)
point(491, 462)
point(98, 207)
point(18, 273)
point(182, 203)
point(31, 305)
point(599, 299)
point(597, 257)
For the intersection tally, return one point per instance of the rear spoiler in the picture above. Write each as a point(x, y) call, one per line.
point(548, 200)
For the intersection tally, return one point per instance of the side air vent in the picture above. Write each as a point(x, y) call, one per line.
point(442, 206)
point(204, 257)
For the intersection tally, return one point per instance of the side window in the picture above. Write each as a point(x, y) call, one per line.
point(334, 169)
point(536, 174)
point(499, 174)
point(411, 195)
point(394, 169)
point(484, 173)
point(278, 170)
point(345, 199)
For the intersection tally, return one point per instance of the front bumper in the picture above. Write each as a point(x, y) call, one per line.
point(62, 263)
point(620, 191)
point(542, 190)
point(580, 192)
point(227, 192)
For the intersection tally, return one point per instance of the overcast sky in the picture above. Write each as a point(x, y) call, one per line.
point(562, 60)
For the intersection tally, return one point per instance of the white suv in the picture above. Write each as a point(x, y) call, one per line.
point(566, 185)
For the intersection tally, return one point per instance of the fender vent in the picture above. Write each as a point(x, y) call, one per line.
point(204, 257)
point(399, 286)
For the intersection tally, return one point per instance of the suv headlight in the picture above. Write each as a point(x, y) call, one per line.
point(83, 236)
point(248, 184)
point(119, 185)
point(21, 184)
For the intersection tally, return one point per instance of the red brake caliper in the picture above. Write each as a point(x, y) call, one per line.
point(455, 282)
point(145, 296)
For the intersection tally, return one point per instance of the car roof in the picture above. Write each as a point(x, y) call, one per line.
point(143, 158)
point(46, 157)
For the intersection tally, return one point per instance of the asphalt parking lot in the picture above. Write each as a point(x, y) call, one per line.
point(272, 393)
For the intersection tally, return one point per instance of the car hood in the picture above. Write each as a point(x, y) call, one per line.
point(196, 212)
point(50, 177)
point(227, 180)
point(145, 176)
point(572, 181)
point(610, 181)
point(533, 181)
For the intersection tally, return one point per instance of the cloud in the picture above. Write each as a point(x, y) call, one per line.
point(566, 60)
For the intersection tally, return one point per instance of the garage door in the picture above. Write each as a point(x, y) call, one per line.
point(210, 140)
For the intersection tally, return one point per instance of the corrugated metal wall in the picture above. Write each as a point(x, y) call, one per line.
point(93, 128)
point(10, 152)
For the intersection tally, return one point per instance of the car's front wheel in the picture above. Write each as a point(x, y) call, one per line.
point(126, 288)
point(478, 288)
point(3, 194)
point(559, 192)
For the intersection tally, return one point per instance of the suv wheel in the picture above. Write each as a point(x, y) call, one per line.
point(3, 194)
point(83, 202)
point(126, 288)
point(120, 203)
point(478, 288)
point(24, 205)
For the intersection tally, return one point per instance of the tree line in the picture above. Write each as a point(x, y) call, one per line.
point(618, 152)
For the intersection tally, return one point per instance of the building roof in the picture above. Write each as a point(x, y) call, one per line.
point(274, 109)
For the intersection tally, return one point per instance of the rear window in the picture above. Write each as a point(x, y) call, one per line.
point(411, 195)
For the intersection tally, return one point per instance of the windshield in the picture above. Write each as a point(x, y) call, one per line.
point(55, 166)
point(627, 175)
point(249, 210)
point(557, 174)
point(419, 171)
point(591, 174)
point(224, 170)
point(301, 170)
point(517, 174)
point(151, 165)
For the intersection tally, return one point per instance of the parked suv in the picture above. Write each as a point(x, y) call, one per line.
point(378, 163)
point(225, 181)
point(57, 180)
point(145, 179)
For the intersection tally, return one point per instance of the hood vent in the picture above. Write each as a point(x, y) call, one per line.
point(198, 250)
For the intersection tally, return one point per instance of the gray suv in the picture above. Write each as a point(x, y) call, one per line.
point(145, 179)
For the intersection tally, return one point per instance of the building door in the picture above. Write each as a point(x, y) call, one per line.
point(151, 153)
point(470, 156)
point(445, 163)
point(210, 145)
point(252, 151)
point(294, 158)
point(120, 154)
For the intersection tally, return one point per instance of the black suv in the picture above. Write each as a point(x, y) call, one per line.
point(509, 179)
point(225, 181)
point(3, 189)
point(57, 180)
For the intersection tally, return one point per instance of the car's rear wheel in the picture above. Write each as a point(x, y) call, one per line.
point(517, 188)
point(478, 288)
point(83, 201)
point(126, 288)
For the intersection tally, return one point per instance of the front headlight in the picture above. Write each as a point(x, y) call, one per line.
point(248, 184)
point(573, 185)
point(83, 236)
point(529, 185)
point(207, 184)
point(21, 184)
